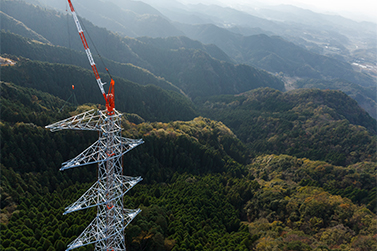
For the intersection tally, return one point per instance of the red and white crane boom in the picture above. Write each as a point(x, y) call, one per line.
point(109, 98)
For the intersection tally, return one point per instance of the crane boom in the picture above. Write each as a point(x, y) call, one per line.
point(109, 98)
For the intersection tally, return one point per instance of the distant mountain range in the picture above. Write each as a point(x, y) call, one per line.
point(253, 140)
point(234, 44)
point(326, 47)
point(189, 68)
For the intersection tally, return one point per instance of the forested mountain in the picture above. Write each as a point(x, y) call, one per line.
point(223, 16)
point(324, 44)
point(366, 97)
point(255, 169)
point(9, 23)
point(274, 54)
point(150, 102)
point(199, 192)
point(198, 74)
point(271, 53)
point(192, 70)
point(57, 28)
point(175, 43)
point(321, 125)
point(329, 35)
point(326, 34)
point(18, 46)
point(129, 18)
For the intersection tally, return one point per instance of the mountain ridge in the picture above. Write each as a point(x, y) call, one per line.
point(199, 181)
point(181, 73)
point(269, 121)
point(130, 97)
point(18, 46)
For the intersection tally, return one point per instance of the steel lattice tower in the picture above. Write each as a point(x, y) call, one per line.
point(106, 231)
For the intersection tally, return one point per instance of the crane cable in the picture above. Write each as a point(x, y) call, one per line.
point(94, 45)
point(109, 98)
point(74, 99)
point(70, 61)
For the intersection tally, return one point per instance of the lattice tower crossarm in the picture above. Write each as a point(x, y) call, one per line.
point(106, 231)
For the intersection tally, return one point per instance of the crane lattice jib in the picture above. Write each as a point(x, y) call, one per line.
point(109, 98)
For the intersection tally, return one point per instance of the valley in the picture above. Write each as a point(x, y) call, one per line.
point(259, 125)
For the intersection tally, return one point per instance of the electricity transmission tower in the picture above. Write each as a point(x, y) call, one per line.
point(106, 231)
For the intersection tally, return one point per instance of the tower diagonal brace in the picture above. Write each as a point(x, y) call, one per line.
point(98, 152)
point(96, 195)
point(106, 231)
point(95, 232)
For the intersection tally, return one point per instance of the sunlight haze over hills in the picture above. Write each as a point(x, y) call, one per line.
point(259, 119)
point(364, 10)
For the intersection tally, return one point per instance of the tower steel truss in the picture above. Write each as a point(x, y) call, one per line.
point(106, 231)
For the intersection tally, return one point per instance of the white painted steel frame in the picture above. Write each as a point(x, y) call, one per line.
point(106, 231)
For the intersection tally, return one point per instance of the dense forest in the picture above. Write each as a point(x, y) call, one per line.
point(231, 160)
point(134, 98)
point(321, 125)
point(365, 96)
point(187, 67)
point(184, 64)
point(203, 188)
point(19, 46)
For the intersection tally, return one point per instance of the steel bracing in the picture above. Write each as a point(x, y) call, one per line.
point(106, 231)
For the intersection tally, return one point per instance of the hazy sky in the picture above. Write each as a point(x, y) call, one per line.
point(358, 9)
point(367, 7)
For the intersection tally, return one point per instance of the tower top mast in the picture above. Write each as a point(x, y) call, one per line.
point(109, 97)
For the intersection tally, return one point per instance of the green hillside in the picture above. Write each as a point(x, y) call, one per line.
point(365, 96)
point(198, 74)
point(16, 45)
point(192, 70)
point(277, 55)
point(201, 188)
point(9, 23)
point(59, 28)
point(320, 125)
point(230, 162)
point(150, 102)
point(274, 54)
point(175, 43)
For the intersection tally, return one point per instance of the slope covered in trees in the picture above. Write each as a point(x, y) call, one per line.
point(207, 185)
point(320, 125)
point(366, 97)
point(201, 188)
point(202, 213)
point(9, 23)
point(19, 46)
point(191, 69)
point(268, 52)
point(149, 101)
point(198, 74)
point(175, 43)
point(274, 54)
